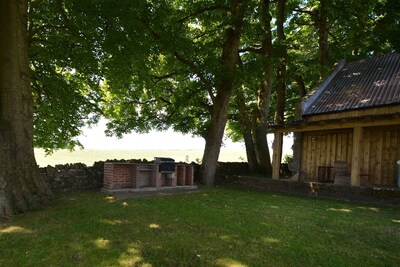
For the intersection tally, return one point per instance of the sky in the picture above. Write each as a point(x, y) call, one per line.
point(94, 138)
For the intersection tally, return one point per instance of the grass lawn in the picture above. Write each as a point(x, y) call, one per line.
point(219, 227)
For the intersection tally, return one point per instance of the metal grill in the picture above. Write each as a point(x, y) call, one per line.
point(166, 165)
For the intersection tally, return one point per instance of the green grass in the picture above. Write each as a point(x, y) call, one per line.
point(219, 227)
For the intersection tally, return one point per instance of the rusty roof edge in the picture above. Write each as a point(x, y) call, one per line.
point(306, 103)
point(306, 116)
point(385, 117)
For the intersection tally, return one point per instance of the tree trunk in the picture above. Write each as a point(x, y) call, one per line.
point(214, 138)
point(262, 149)
point(224, 86)
point(21, 186)
point(250, 150)
point(301, 87)
point(297, 136)
point(245, 121)
point(264, 93)
point(281, 85)
point(323, 48)
point(261, 129)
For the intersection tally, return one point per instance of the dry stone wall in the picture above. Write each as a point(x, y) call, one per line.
point(78, 176)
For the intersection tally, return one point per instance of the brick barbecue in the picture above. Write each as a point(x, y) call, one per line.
point(164, 172)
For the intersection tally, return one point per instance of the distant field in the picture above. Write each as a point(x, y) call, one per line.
point(89, 156)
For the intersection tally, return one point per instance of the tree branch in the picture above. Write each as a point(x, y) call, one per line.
point(202, 10)
point(304, 24)
point(306, 11)
point(160, 78)
point(32, 31)
point(251, 49)
point(67, 20)
point(196, 71)
point(186, 62)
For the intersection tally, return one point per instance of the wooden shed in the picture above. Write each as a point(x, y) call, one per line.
point(352, 117)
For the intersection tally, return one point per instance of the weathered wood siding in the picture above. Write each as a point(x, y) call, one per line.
point(323, 149)
point(381, 151)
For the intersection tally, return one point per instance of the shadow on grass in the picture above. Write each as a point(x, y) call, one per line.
point(223, 227)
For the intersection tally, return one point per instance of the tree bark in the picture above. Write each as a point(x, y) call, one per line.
point(214, 138)
point(246, 129)
point(21, 186)
point(297, 136)
point(224, 86)
point(323, 31)
point(264, 93)
point(250, 150)
point(281, 85)
point(301, 87)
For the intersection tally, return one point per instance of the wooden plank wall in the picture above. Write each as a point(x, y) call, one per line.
point(323, 149)
point(381, 151)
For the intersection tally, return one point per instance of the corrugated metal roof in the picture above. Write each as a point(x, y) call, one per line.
point(362, 84)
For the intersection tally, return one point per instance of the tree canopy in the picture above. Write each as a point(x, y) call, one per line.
point(156, 64)
point(193, 66)
point(159, 64)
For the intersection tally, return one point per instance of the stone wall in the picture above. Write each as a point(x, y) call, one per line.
point(78, 176)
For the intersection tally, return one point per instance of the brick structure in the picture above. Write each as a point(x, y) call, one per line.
point(184, 174)
point(141, 175)
point(119, 175)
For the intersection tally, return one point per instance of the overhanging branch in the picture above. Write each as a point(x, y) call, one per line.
point(202, 10)
point(196, 71)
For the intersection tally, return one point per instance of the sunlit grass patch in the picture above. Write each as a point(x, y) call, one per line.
point(340, 210)
point(225, 262)
point(15, 230)
point(102, 243)
point(222, 227)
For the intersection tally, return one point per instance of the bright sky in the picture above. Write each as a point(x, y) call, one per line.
point(94, 138)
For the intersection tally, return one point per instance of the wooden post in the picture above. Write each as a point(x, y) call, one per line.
point(277, 155)
point(357, 155)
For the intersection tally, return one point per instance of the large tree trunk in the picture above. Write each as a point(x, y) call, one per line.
point(297, 136)
point(264, 93)
point(323, 32)
point(214, 138)
point(281, 85)
point(250, 150)
point(261, 129)
point(224, 86)
point(20, 184)
point(246, 124)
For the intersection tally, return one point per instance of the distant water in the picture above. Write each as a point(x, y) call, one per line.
point(89, 156)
